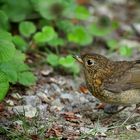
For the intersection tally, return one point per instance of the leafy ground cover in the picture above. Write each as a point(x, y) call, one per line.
point(40, 92)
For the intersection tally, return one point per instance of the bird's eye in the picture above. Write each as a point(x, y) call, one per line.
point(90, 62)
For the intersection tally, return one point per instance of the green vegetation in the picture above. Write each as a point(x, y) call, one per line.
point(26, 129)
point(50, 25)
point(12, 67)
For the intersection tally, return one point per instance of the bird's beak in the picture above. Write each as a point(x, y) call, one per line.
point(78, 58)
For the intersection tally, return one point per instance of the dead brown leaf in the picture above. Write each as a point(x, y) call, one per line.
point(83, 89)
point(100, 106)
point(70, 116)
point(2, 107)
point(56, 131)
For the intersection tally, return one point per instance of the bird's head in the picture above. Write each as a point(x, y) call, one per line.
point(92, 62)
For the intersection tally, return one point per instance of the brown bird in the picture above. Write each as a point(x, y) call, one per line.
point(112, 82)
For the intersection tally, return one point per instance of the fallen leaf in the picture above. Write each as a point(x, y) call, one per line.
point(34, 137)
point(70, 116)
point(1, 107)
point(100, 106)
point(56, 130)
point(83, 89)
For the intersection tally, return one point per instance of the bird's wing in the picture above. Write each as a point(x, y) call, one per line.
point(124, 78)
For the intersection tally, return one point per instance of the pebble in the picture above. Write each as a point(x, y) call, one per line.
point(16, 96)
point(42, 109)
point(84, 129)
point(46, 89)
point(28, 110)
point(43, 97)
point(55, 88)
point(46, 71)
point(56, 104)
point(18, 122)
point(66, 96)
point(137, 27)
point(31, 100)
point(52, 90)
point(30, 92)
point(83, 99)
point(10, 102)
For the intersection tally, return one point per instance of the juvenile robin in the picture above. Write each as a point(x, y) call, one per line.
point(112, 82)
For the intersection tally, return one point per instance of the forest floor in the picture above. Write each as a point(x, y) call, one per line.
point(58, 107)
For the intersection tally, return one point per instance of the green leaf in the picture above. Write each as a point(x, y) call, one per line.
point(19, 57)
point(112, 44)
point(98, 30)
point(125, 51)
point(82, 13)
point(69, 11)
point(40, 37)
point(4, 85)
point(80, 36)
point(49, 32)
point(65, 25)
point(75, 68)
point(7, 50)
point(20, 43)
point(27, 28)
point(4, 35)
point(17, 10)
point(4, 23)
point(69, 63)
point(56, 42)
point(66, 61)
point(46, 35)
point(49, 9)
point(9, 70)
point(26, 78)
point(53, 59)
point(22, 67)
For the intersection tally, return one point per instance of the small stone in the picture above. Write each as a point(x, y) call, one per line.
point(56, 104)
point(127, 28)
point(130, 43)
point(66, 96)
point(59, 80)
point(137, 27)
point(53, 91)
point(42, 109)
point(43, 97)
point(55, 88)
point(10, 102)
point(84, 129)
point(46, 71)
point(118, 1)
point(135, 126)
point(83, 99)
point(31, 100)
point(30, 92)
point(18, 122)
point(46, 89)
point(28, 110)
point(16, 96)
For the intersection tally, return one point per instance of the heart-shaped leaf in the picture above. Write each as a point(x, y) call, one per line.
point(27, 28)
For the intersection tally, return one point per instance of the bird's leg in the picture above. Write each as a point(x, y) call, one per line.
point(137, 106)
point(114, 113)
point(120, 110)
point(110, 109)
